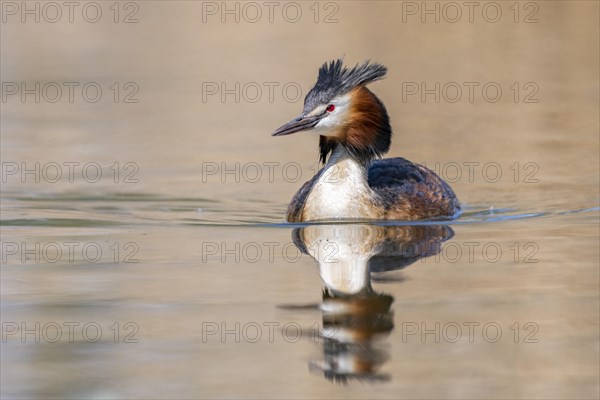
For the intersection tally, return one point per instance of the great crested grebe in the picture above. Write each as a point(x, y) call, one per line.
point(355, 131)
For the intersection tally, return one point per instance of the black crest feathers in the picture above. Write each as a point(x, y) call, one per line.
point(334, 79)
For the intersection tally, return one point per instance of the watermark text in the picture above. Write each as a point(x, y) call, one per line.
point(69, 332)
point(68, 252)
point(70, 92)
point(53, 12)
point(68, 172)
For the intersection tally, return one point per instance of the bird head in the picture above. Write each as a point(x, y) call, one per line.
point(342, 111)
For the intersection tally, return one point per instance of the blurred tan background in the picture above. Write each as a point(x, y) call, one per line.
point(171, 56)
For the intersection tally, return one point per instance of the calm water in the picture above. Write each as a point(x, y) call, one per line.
point(144, 248)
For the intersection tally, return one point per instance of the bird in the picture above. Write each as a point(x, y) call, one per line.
point(354, 131)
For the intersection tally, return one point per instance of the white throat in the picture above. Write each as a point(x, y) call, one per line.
point(341, 191)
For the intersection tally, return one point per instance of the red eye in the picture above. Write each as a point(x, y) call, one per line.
point(330, 108)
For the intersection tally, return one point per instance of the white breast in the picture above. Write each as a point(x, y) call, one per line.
point(342, 191)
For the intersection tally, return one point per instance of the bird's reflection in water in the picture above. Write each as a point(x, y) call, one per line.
point(356, 319)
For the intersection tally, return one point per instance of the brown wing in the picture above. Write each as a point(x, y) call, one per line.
point(411, 191)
